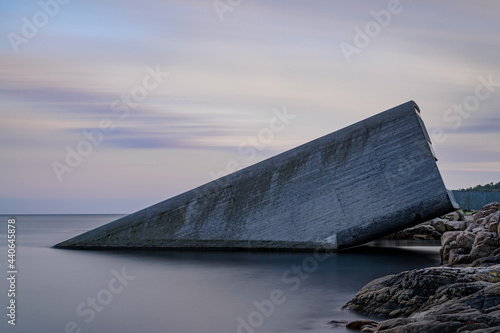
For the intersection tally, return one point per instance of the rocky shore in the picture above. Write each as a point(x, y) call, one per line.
point(434, 229)
point(463, 295)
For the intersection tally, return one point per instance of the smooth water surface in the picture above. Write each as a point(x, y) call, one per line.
point(60, 290)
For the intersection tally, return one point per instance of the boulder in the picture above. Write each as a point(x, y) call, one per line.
point(465, 240)
point(453, 216)
point(433, 229)
point(362, 324)
point(479, 240)
point(485, 243)
point(421, 231)
point(455, 225)
point(337, 323)
point(463, 296)
point(403, 294)
point(439, 224)
point(440, 299)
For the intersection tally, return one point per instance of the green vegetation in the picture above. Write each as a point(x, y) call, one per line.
point(487, 188)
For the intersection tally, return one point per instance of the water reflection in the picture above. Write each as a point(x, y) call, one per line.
point(191, 291)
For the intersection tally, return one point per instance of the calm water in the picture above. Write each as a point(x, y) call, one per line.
point(172, 291)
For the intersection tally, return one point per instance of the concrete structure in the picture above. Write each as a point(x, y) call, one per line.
point(475, 200)
point(362, 182)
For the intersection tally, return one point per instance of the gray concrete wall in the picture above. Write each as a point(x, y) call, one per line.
point(362, 182)
point(475, 200)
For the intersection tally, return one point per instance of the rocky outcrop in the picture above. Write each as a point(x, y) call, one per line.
point(477, 312)
point(462, 296)
point(478, 244)
point(407, 293)
point(441, 299)
point(363, 325)
point(435, 228)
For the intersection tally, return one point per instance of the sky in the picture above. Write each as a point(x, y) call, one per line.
point(111, 106)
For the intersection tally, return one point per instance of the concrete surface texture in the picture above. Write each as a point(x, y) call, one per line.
point(475, 200)
point(357, 184)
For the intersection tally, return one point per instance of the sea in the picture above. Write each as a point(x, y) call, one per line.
point(171, 291)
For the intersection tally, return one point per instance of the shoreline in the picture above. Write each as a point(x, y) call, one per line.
point(461, 295)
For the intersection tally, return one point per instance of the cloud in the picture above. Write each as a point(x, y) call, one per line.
point(227, 76)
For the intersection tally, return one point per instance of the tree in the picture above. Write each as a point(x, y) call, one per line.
point(491, 187)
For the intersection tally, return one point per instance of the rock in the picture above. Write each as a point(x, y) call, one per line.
point(493, 227)
point(421, 231)
point(440, 299)
point(465, 240)
point(433, 229)
point(337, 323)
point(389, 324)
point(456, 248)
point(449, 244)
point(485, 244)
point(448, 237)
point(439, 225)
point(487, 261)
point(362, 324)
point(458, 256)
point(427, 326)
point(404, 293)
point(454, 216)
point(488, 330)
point(444, 299)
point(468, 218)
point(469, 327)
point(455, 225)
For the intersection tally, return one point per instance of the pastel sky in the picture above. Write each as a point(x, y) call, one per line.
point(70, 67)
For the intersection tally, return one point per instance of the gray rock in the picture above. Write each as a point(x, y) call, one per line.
point(472, 327)
point(403, 294)
point(433, 229)
point(462, 249)
point(468, 218)
point(455, 226)
point(444, 299)
point(485, 244)
point(427, 326)
point(439, 225)
point(448, 237)
point(361, 323)
point(453, 216)
point(465, 240)
point(389, 324)
point(421, 231)
point(495, 329)
point(337, 323)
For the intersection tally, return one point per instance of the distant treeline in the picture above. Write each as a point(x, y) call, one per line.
point(486, 188)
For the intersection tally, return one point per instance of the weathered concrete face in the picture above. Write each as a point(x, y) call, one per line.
point(475, 200)
point(362, 182)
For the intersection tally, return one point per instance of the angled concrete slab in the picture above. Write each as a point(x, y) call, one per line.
point(352, 186)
